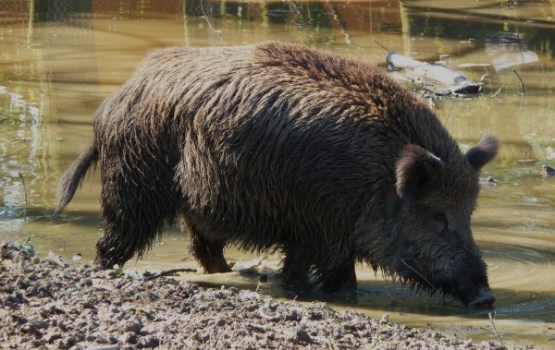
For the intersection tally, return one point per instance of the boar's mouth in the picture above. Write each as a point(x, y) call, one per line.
point(474, 295)
point(469, 283)
point(483, 299)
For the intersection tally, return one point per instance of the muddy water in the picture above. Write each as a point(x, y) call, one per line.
point(58, 61)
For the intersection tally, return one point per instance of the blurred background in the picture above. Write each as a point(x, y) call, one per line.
point(60, 59)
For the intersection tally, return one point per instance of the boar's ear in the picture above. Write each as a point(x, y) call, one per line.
point(417, 171)
point(483, 152)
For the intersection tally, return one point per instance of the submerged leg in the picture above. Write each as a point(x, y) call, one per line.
point(209, 254)
point(336, 276)
point(134, 211)
point(295, 267)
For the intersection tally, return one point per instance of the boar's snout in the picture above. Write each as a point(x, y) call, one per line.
point(484, 298)
point(449, 269)
point(470, 285)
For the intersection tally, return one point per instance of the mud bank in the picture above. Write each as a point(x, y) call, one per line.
point(49, 304)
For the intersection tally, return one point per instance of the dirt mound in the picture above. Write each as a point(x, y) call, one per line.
point(49, 304)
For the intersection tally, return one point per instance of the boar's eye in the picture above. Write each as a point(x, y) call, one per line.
point(436, 222)
point(441, 217)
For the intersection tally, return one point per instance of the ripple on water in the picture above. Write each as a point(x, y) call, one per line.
point(522, 279)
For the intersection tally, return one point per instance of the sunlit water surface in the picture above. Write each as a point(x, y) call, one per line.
point(58, 62)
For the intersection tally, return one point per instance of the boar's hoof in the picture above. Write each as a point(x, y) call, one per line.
point(484, 298)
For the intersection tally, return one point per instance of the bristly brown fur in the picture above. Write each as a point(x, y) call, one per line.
point(74, 175)
point(268, 146)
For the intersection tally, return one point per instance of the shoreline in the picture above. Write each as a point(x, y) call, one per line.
point(49, 304)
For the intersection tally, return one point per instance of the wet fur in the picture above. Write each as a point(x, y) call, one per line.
point(274, 146)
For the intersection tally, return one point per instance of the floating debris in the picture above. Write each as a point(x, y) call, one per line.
point(77, 257)
point(528, 157)
point(435, 78)
point(513, 59)
point(509, 51)
point(503, 41)
point(488, 181)
point(547, 171)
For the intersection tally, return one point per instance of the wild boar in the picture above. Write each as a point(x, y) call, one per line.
point(279, 146)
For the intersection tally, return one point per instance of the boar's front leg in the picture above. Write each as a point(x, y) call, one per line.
point(295, 267)
point(210, 254)
point(336, 275)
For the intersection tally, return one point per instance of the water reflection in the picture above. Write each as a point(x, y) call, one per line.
point(19, 148)
point(59, 59)
point(533, 21)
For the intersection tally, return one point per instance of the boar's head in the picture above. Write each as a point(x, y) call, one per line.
point(435, 246)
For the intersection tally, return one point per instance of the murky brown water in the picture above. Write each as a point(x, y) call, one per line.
point(58, 61)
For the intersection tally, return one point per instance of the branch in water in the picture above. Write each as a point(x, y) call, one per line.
point(25, 195)
point(166, 273)
point(522, 86)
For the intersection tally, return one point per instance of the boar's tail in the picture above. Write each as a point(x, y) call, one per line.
point(73, 176)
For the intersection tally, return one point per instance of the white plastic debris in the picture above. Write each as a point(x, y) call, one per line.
point(436, 78)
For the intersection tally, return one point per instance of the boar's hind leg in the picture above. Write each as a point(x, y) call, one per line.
point(209, 254)
point(133, 214)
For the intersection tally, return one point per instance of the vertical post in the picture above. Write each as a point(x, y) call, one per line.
point(30, 20)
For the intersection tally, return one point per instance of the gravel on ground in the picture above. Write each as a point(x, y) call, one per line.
point(46, 303)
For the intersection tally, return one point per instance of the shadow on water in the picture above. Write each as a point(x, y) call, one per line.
point(388, 296)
